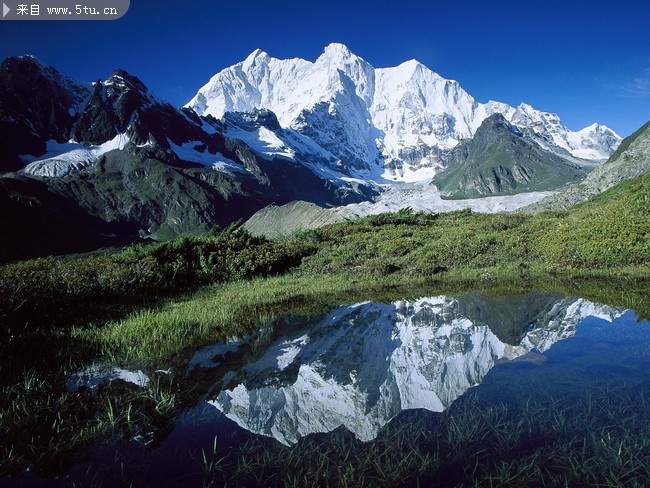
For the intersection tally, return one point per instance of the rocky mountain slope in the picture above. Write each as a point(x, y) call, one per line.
point(37, 103)
point(631, 159)
point(282, 220)
point(499, 159)
point(129, 166)
point(388, 123)
point(278, 221)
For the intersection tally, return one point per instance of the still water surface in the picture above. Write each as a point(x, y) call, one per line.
point(434, 385)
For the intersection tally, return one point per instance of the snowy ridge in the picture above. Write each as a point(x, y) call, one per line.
point(363, 364)
point(382, 124)
point(195, 152)
point(261, 131)
point(595, 142)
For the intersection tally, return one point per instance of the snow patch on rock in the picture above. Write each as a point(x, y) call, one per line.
point(62, 158)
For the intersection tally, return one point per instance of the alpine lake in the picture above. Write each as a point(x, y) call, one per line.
point(434, 389)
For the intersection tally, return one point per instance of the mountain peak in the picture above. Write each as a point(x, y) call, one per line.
point(338, 54)
point(596, 127)
point(500, 160)
point(122, 73)
point(411, 67)
point(412, 62)
point(525, 108)
point(392, 121)
point(336, 48)
point(29, 64)
point(37, 103)
point(123, 79)
point(591, 128)
point(496, 124)
point(495, 120)
point(604, 128)
point(256, 55)
point(27, 59)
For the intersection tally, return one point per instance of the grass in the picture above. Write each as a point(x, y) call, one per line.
point(43, 294)
point(43, 425)
point(599, 250)
point(607, 236)
point(213, 312)
point(609, 233)
point(217, 312)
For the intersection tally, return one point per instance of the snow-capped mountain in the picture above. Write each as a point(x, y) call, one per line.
point(595, 142)
point(122, 113)
point(264, 131)
point(363, 364)
point(500, 160)
point(379, 123)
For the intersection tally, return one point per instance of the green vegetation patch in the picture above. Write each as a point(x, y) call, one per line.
point(48, 292)
point(627, 142)
point(609, 232)
point(43, 425)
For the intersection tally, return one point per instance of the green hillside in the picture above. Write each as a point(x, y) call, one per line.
point(612, 230)
point(500, 161)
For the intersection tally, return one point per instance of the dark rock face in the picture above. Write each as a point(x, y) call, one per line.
point(254, 119)
point(120, 199)
point(37, 103)
point(499, 159)
point(98, 122)
point(37, 221)
point(160, 200)
point(123, 105)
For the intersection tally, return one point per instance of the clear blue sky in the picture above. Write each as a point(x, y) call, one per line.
point(585, 60)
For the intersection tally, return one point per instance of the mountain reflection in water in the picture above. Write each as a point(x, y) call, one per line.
point(362, 364)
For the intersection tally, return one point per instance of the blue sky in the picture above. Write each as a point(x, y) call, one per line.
point(585, 60)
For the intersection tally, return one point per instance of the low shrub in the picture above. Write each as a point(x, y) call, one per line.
point(56, 290)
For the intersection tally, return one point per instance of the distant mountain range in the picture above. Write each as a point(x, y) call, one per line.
point(631, 159)
point(483, 164)
point(392, 123)
point(85, 165)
